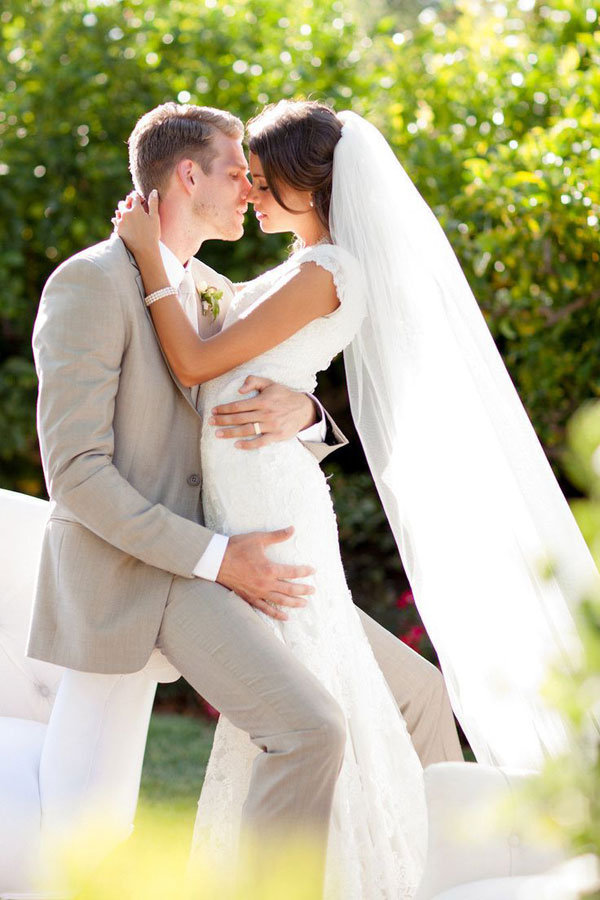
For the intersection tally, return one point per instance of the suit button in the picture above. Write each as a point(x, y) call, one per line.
point(194, 480)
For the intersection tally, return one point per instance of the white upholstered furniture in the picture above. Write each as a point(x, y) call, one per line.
point(56, 759)
point(473, 856)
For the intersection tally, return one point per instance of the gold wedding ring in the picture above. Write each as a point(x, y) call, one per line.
point(256, 427)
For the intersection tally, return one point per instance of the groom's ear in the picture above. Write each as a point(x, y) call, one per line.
point(186, 172)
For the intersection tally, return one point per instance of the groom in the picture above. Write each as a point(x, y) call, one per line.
point(127, 563)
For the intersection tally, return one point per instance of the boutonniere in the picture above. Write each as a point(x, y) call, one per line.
point(209, 297)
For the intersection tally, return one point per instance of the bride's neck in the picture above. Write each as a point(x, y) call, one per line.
point(315, 234)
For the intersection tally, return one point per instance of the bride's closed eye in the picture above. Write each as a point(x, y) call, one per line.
point(259, 187)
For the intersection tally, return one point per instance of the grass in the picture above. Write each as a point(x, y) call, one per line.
point(177, 752)
point(152, 863)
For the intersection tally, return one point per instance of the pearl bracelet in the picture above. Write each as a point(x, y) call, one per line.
point(157, 295)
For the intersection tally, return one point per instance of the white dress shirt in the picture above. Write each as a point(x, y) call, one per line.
point(210, 562)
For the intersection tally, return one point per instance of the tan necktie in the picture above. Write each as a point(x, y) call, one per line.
point(186, 293)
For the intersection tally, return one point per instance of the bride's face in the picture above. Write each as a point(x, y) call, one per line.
point(272, 217)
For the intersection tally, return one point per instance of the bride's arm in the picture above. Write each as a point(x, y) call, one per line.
point(308, 294)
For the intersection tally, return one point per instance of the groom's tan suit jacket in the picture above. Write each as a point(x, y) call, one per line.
point(120, 445)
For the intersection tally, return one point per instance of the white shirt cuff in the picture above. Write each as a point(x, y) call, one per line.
point(209, 563)
point(315, 433)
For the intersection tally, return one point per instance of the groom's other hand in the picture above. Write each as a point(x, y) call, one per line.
point(279, 412)
point(257, 579)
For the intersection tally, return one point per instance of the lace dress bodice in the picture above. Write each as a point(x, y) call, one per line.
point(296, 361)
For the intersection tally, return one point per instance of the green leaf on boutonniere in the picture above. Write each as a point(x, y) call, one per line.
point(210, 297)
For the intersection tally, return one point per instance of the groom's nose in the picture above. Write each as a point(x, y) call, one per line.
point(246, 187)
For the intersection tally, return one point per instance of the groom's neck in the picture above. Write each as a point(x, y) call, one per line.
point(180, 230)
point(179, 239)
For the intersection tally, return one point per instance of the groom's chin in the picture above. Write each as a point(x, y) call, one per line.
point(235, 234)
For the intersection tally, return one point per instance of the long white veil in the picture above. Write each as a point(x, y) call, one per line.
point(468, 492)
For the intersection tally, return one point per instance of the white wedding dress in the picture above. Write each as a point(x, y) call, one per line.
point(378, 829)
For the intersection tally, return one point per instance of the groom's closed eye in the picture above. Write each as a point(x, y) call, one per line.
point(239, 172)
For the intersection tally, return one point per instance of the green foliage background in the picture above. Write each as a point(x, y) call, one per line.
point(564, 802)
point(491, 106)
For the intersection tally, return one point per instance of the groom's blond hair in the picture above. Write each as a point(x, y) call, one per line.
point(175, 131)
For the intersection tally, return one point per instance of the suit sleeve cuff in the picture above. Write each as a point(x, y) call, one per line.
point(209, 563)
point(315, 433)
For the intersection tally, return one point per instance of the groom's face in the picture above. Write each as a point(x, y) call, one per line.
point(221, 196)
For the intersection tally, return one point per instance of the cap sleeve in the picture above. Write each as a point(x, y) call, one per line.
point(349, 284)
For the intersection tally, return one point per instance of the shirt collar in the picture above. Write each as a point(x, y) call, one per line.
point(173, 267)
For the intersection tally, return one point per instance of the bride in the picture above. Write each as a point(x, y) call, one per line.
point(466, 487)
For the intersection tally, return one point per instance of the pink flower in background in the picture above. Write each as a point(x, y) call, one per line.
point(413, 636)
point(405, 599)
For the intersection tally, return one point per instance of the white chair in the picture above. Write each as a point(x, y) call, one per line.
point(472, 855)
point(89, 751)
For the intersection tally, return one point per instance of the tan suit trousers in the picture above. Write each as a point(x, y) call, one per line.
point(228, 654)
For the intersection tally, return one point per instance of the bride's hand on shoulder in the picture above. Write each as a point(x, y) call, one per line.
point(137, 223)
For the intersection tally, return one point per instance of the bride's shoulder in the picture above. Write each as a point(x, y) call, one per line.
point(342, 265)
point(337, 259)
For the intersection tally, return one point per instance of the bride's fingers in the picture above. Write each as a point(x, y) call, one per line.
point(129, 213)
point(126, 202)
point(153, 203)
point(135, 202)
point(132, 199)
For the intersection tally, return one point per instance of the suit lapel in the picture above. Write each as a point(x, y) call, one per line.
point(207, 327)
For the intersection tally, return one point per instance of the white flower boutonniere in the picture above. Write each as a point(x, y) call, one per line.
point(210, 297)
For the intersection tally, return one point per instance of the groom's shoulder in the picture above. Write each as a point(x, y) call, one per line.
point(106, 258)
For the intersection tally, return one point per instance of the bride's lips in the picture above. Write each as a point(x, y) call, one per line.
point(260, 215)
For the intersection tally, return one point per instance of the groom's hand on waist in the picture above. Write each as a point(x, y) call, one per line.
point(279, 413)
point(255, 578)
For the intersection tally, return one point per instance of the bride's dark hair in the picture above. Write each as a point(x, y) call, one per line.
point(295, 140)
